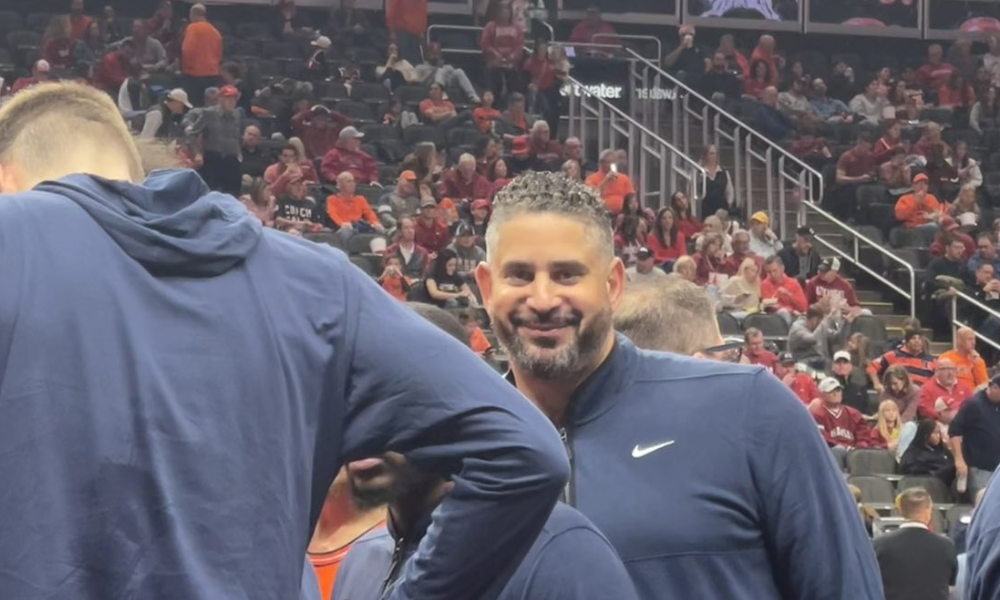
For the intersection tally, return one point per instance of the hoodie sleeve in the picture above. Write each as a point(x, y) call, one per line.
point(807, 513)
point(578, 564)
point(413, 389)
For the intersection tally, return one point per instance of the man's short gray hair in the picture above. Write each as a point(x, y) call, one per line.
point(545, 192)
point(608, 154)
point(667, 314)
point(913, 501)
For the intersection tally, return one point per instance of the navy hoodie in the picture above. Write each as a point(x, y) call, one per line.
point(570, 560)
point(711, 481)
point(982, 580)
point(178, 388)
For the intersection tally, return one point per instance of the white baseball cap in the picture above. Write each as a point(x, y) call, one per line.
point(179, 95)
point(322, 42)
point(829, 384)
point(842, 355)
point(43, 65)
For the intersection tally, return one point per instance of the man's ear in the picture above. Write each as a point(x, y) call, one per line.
point(616, 281)
point(9, 182)
point(484, 279)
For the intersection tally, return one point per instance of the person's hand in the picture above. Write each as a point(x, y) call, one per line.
point(611, 176)
point(961, 469)
point(198, 160)
point(878, 387)
point(432, 256)
point(892, 445)
point(867, 177)
point(782, 292)
point(347, 227)
point(379, 228)
point(853, 313)
point(769, 234)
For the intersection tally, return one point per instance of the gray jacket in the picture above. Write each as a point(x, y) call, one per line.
point(816, 345)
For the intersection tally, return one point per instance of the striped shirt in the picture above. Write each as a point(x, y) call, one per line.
point(920, 367)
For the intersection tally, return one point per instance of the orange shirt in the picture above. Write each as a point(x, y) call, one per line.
point(201, 52)
point(406, 15)
point(484, 117)
point(427, 105)
point(910, 211)
point(614, 192)
point(971, 373)
point(395, 286)
point(78, 25)
point(327, 564)
point(478, 341)
point(348, 210)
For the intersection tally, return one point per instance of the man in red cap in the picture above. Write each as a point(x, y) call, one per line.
point(919, 209)
point(949, 225)
point(217, 136)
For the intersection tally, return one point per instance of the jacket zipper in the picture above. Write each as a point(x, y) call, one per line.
point(567, 495)
point(397, 554)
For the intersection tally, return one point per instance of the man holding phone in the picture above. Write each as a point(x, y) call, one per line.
point(612, 185)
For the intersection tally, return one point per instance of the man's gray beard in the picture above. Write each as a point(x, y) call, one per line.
point(579, 354)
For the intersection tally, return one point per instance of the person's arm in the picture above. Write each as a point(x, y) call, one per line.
point(369, 215)
point(452, 416)
point(671, 58)
point(979, 375)
point(160, 55)
point(798, 298)
point(906, 208)
point(974, 115)
point(799, 486)
point(875, 369)
point(956, 433)
point(154, 119)
point(329, 167)
point(436, 293)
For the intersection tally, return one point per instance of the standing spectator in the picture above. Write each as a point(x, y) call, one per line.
point(886, 432)
point(800, 258)
point(855, 168)
point(763, 242)
point(431, 233)
point(755, 352)
point(915, 562)
point(115, 68)
point(927, 455)
point(666, 241)
point(719, 192)
point(39, 74)
point(911, 356)
point(975, 437)
point(319, 128)
point(871, 103)
point(462, 183)
point(935, 72)
point(502, 43)
point(764, 51)
point(545, 75)
point(829, 284)
point(217, 132)
point(853, 379)
point(842, 427)
point(201, 54)
point(970, 368)
point(412, 256)
point(583, 33)
point(349, 212)
point(78, 22)
point(781, 294)
point(812, 336)
point(149, 52)
point(318, 65)
point(612, 185)
point(919, 209)
point(943, 395)
point(165, 120)
point(57, 43)
point(348, 156)
point(406, 21)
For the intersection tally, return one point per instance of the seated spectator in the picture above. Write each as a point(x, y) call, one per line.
point(930, 138)
point(891, 140)
point(413, 258)
point(870, 104)
point(393, 280)
point(942, 178)
point(498, 177)
point(687, 223)
point(665, 241)
point(713, 225)
point(91, 47)
point(78, 22)
point(583, 33)
point(842, 82)
point(612, 185)
point(800, 259)
point(435, 110)
point(895, 173)
point(928, 455)
point(487, 150)
point(630, 237)
point(478, 341)
point(740, 252)
point(917, 364)
point(709, 260)
point(431, 232)
point(956, 94)
point(467, 253)
point(319, 128)
point(721, 83)
point(288, 159)
point(398, 116)
point(885, 433)
point(740, 295)
point(765, 51)
point(573, 150)
point(842, 427)
point(39, 74)
point(424, 162)
point(571, 170)
point(813, 335)
point(854, 380)
point(829, 110)
point(462, 183)
point(950, 230)
point(57, 43)
point(795, 103)
point(951, 268)
point(545, 152)
point(502, 43)
point(919, 209)
point(164, 122)
point(686, 61)
point(445, 286)
point(435, 70)
point(480, 219)
point(986, 253)
point(351, 213)
point(942, 395)
point(149, 52)
point(632, 207)
point(763, 242)
point(771, 122)
point(318, 63)
point(348, 156)
point(855, 168)
point(295, 209)
point(644, 267)
point(115, 68)
point(485, 115)
point(396, 72)
point(970, 368)
point(796, 378)
point(986, 289)
point(781, 294)
point(686, 269)
point(759, 80)
point(515, 122)
point(735, 60)
point(403, 199)
point(254, 158)
point(260, 202)
point(829, 284)
point(935, 73)
point(810, 148)
point(984, 117)
point(754, 350)
point(969, 172)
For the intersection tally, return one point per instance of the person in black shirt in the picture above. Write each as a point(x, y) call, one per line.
point(296, 210)
point(927, 455)
point(687, 61)
point(975, 436)
point(255, 158)
point(916, 563)
point(721, 83)
point(446, 287)
point(943, 274)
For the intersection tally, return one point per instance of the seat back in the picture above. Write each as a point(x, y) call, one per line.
point(325, 237)
point(728, 325)
point(362, 263)
point(873, 489)
point(871, 326)
point(772, 326)
point(361, 243)
point(871, 462)
point(938, 491)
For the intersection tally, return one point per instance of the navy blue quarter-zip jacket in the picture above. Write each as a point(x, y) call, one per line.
point(712, 482)
point(178, 388)
point(982, 580)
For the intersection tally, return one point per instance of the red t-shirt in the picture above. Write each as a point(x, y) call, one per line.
point(663, 253)
point(817, 289)
point(804, 387)
point(932, 391)
point(768, 360)
point(433, 237)
point(856, 166)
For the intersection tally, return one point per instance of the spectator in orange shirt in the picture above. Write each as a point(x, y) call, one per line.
point(435, 110)
point(350, 213)
point(920, 210)
point(956, 94)
point(612, 185)
point(393, 280)
point(201, 54)
point(485, 115)
point(970, 367)
point(406, 21)
point(477, 339)
point(584, 32)
point(78, 22)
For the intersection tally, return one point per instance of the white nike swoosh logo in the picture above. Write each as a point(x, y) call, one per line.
point(639, 451)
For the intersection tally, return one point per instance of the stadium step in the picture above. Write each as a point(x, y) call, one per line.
point(881, 309)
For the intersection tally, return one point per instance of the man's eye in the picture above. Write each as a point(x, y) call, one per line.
point(566, 277)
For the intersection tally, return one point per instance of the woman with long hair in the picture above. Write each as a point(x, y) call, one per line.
point(57, 43)
point(741, 294)
point(927, 454)
point(630, 237)
point(885, 434)
point(857, 346)
point(498, 176)
point(896, 386)
point(719, 192)
point(632, 207)
point(965, 210)
point(396, 71)
point(445, 286)
point(260, 202)
point(759, 80)
point(90, 48)
point(956, 94)
point(710, 259)
point(571, 169)
point(666, 242)
point(969, 172)
point(687, 223)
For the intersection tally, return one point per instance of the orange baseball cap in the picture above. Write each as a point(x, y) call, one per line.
point(920, 177)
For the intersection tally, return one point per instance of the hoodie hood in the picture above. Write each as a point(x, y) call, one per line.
point(172, 224)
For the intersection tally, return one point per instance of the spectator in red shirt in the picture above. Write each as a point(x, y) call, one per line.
point(665, 241)
point(57, 43)
point(935, 73)
point(780, 293)
point(435, 110)
point(115, 67)
point(502, 43)
point(842, 427)
point(800, 382)
point(319, 128)
point(710, 260)
point(39, 74)
point(855, 168)
point(584, 32)
point(829, 283)
point(413, 257)
point(462, 183)
point(277, 174)
point(406, 21)
point(485, 115)
point(431, 233)
point(348, 156)
point(755, 352)
point(741, 252)
point(78, 22)
point(942, 395)
point(687, 223)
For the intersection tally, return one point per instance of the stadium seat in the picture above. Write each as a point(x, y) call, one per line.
point(955, 513)
point(250, 30)
point(10, 21)
point(871, 326)
point(904, 237)
point(728, 325)
point(38, 21)
point(411, 94)
point(871, 462)
point(359, 111)
point(280, 50)
point(24, 39)
point(772, 326)
point(362, 263)
point(371, 93)
point(874, 490)
point(938, 522)
point(378, 131)
point(387, 174)
point(390, 151)
point(325, 237)
point(331, 91)
point(463, 136)
point(938, 115)
point(422, 133)
point(361, 243)
point(939, 492)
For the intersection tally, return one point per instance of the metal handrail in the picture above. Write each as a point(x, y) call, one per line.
point(552, 32)
point(956, 323)
point(629, 36)
point(854, 257)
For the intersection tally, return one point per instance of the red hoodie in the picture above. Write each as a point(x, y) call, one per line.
point(817, 289)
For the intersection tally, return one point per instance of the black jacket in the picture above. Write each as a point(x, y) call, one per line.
point(791, 259)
